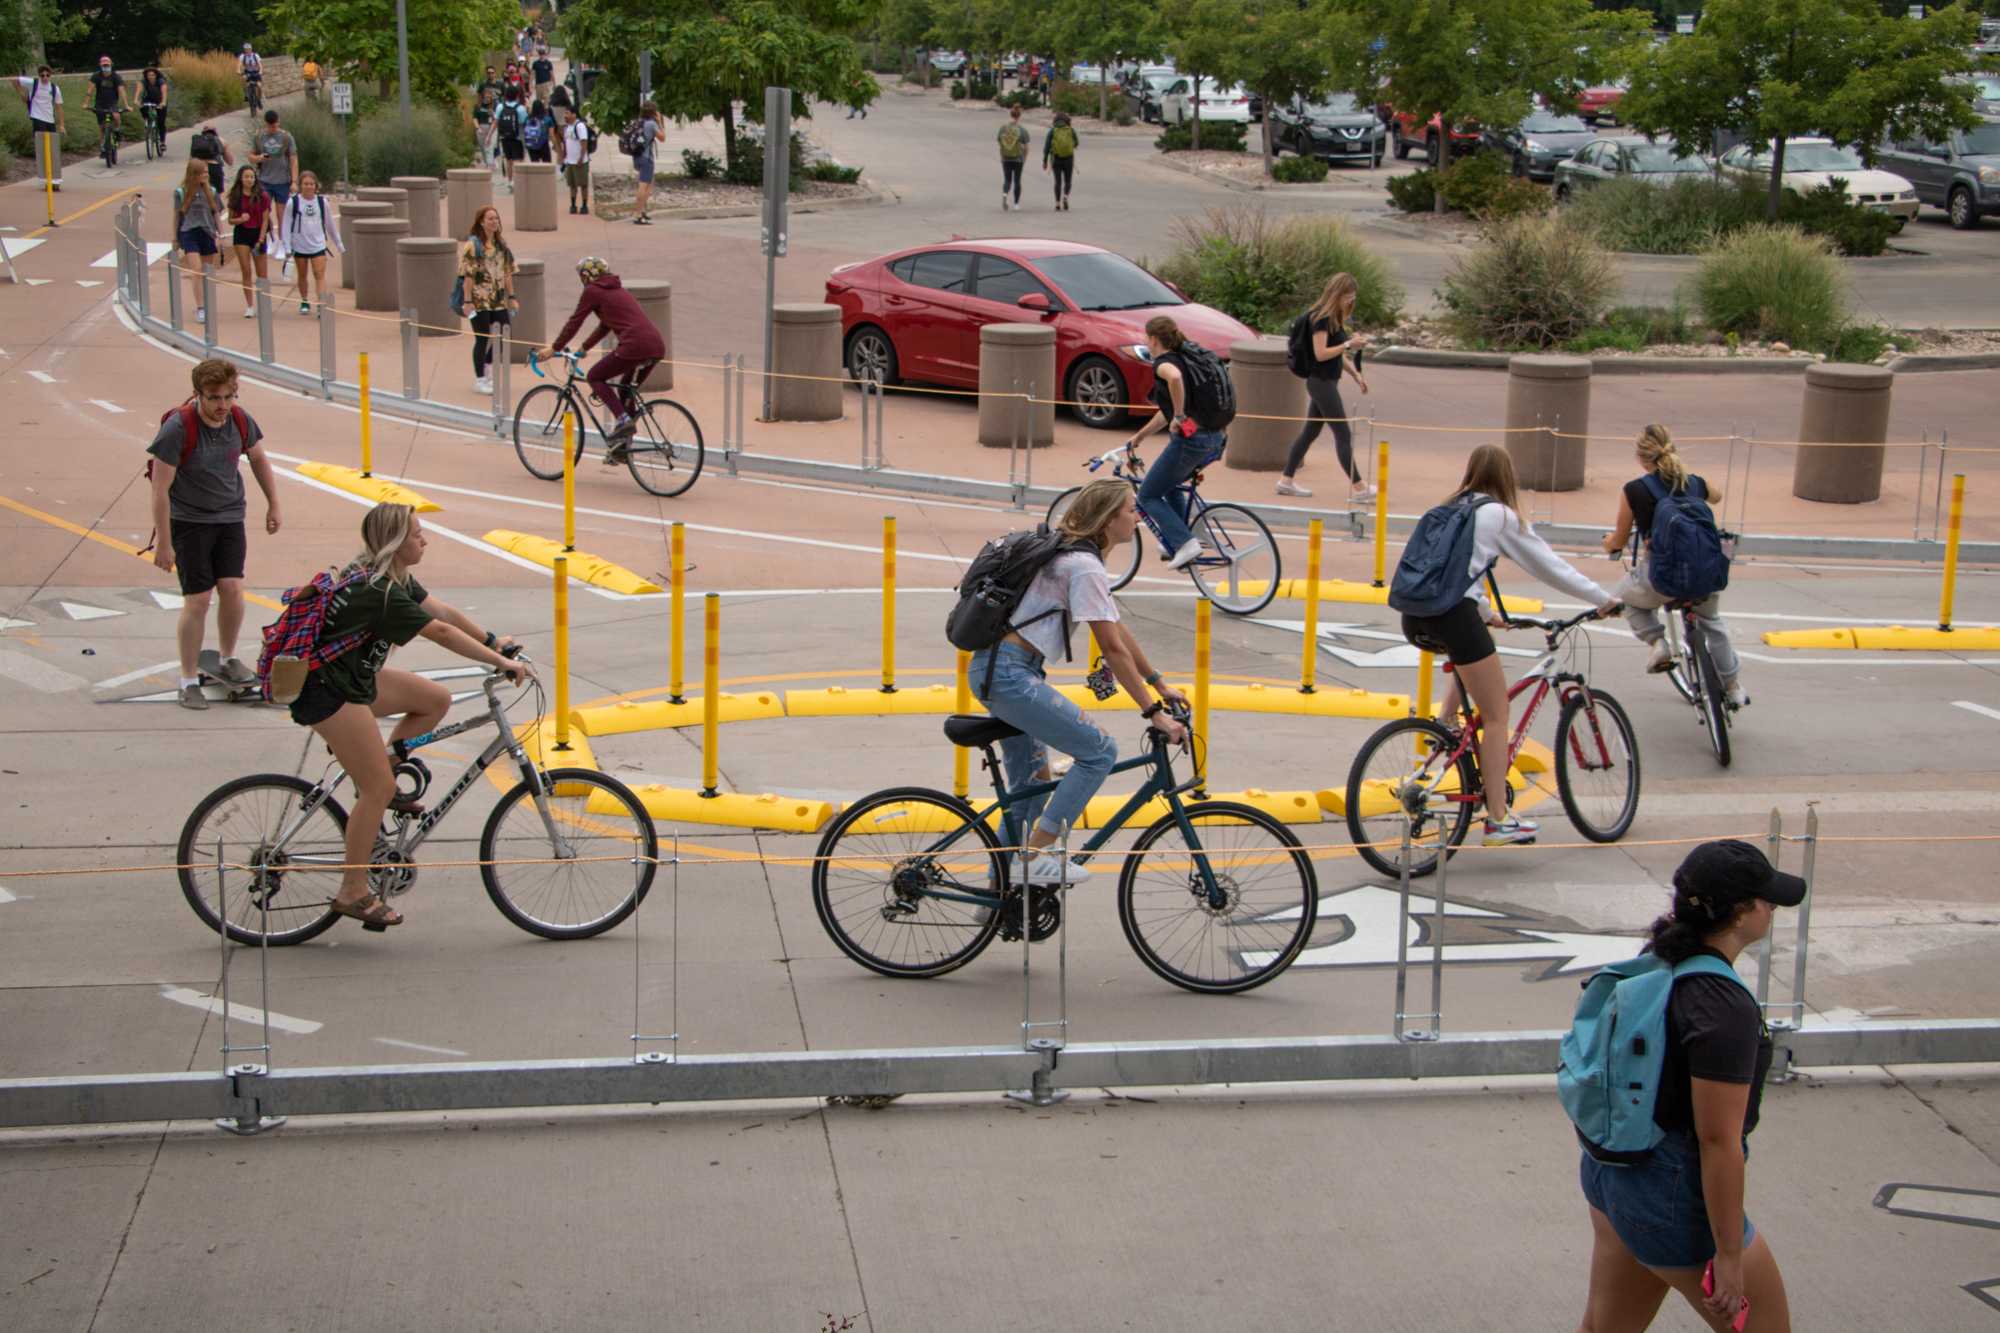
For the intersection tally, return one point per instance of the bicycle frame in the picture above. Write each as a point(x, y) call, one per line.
point(1192, 507)
point(577, 388)
point(1543, 679)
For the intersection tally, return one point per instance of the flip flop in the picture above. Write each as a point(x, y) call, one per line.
point(371, 912)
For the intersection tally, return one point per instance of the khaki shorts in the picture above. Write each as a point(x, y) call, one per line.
point(578, 175)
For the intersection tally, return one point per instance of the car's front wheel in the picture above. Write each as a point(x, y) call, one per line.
point(871, 356)
point(1098, 392)
point(1963, 215)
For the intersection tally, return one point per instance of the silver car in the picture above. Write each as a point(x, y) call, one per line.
point(1961, 175)
point(1626, 158)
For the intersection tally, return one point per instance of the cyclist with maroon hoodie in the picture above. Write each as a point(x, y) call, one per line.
point(639, 344)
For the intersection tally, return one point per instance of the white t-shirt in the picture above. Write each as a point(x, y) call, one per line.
point(43, 99)
point(576, 144)
point(306, 226)
point(1498, 530)
point(1076, 581)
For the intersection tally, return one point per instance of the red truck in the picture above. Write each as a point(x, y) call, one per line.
point(1407, 132)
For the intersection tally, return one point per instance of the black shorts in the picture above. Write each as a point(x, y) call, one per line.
point(317, 702)
point(205, 553)
point(1459, 634)
point(244, 236)
point(514, 150)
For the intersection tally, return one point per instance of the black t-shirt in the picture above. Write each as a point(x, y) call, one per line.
point(545, 71)
point(152, 92)
point(104, 90)
point(1714, 1031)
point(1162, 397)
point(1640, 496)
point(1328, 369)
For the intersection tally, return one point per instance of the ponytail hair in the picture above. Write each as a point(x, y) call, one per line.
point(384, 529)
point(1166, 331)
point(1695, 916)
point(1657, 452)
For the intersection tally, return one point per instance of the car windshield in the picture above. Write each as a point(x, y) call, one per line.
point(1984, 140)
point(1986, 86)
point(1340, 104)
point(1547, 122)
point(1660, 157)
point(1103, 281)
point(1814, 157)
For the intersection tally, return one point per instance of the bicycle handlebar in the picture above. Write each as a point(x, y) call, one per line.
point(1111, 456)
point(1557, 626)
point(535, 364)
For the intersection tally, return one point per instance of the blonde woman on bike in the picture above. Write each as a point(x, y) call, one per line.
point(1332, 343)
point(1011, 678)
point(342, 699)
point(1636, 504)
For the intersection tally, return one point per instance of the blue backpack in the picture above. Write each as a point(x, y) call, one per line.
point(1609, 1078)
point(535, 134)
point(1684, 556)
point(1435, 571)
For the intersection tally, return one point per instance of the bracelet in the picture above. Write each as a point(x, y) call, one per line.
point(1150, 709)
point(491, 639)
point(1153, 679)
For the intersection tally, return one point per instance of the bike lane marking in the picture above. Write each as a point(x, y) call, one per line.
point(1980, 709)
point(242, 1013)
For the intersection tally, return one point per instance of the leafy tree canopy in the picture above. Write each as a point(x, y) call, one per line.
point(448, 38)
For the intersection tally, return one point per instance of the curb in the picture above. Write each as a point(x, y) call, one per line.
point(1439, 358)
point(1891, 638)
point(373, 488)
point(872, 197)
point(583, 566)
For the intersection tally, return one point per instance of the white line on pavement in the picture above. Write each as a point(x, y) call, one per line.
point(6, 897)
point(418, 1046)
point(158, 668)
point(85, 283)
point(43, 376)
point(110, 407)
point(155, 251)
point(242, 1013)
point(38, 675)
point(1980, 709)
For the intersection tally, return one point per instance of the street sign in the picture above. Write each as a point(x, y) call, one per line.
point(1684, 25)
point(1916, 11)
point(341, 96)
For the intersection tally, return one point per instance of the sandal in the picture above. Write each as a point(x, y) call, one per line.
point(370, 911)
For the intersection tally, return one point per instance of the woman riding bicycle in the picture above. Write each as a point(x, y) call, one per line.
point(639, 344)
point(1010, 678)
point(342, 698)
point(1461, 633)
point(1189, 448)
point(153, 103)
point(1666, 474)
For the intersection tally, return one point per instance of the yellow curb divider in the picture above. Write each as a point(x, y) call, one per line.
point(1364, 594)
point(868, 701)
point(1377, 800)
point(1891, 638)
point(583, 567)
point(373, 488)
point(1290, 807)
point(679, 805)
point(539, 740)
point(1320, 703)
point(629, 715)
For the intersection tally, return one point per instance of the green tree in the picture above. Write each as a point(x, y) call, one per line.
point(1102, 32)
point(1283, 55)
point(448, 38)
point(1770, 70)
point(906, 24)
point(32, 31)
point(1207, 44)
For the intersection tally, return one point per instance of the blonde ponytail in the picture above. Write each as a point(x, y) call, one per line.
point(384, 529)
point(1657, 452)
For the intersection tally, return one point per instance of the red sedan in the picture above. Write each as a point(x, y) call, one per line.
point(916, 315)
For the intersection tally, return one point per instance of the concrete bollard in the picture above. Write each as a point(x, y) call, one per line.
point(806, 341)
point(399, 200)
point(535, 196)
point(1545, 394)
point(466, 191)
point(1845, 410)
point(1265, 387)
point(377, 285)
point(426, 270)
point(1013, 359)
point(423, 203)
point(656, 298)
point(352, 211)
point(530, 326)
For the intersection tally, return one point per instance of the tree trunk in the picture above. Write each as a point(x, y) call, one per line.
point(1443, 161)
point(729, 133)
point(1267, 132)
point(1195, 138)
point(1777, 181)
point(1103, 95)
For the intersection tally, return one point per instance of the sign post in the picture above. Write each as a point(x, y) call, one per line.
point(340, 99)
point(1684, 25)
point(777, 181)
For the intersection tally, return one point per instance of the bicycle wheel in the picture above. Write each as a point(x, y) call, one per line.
point(1597, 766)
point(874, 872)
point(584, 881)
point(665, 453)
point(1680, 674)
point(239, 824)
point(1270, 898)
point(538, 430)
point(1239, 571)
point(1122, 571)
point(1714, 708)
point(1407, 766)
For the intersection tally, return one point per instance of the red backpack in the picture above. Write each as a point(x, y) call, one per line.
point(191, 437)
point(297, 630)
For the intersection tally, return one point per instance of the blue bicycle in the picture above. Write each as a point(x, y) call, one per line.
point(1214, 896)
point(1239, 567)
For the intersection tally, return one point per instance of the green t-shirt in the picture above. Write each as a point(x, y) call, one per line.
point(391, 612)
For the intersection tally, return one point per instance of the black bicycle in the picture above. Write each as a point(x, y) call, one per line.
point(253, 94)
point(154, 116)
point(107, 136)
point(664, 451)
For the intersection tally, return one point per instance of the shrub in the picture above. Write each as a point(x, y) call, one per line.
point(1680, 218)
point(1122, 117)
point(207, 83)
point(1861, 343)
point(699, 166)
point(749, 166)
point(1632, 328)
point(1025, 98)
point(1532, 281)
point(981, 90)
point(958, 90)
point(1825, 211)
point(1470, 182)
point(824, 170)
point(1515, 198)
point(1221, 136)
point(1074, 99)
point(1264, 271)
point(380, 148)
point(317, 134)
point(1298, 170)
point(1773, 282)
point(17, 137)
point(1414, 191)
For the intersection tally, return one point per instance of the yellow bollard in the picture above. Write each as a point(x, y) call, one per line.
point(1201, 614)
point(889, 605)
point(1381, 513)
point(961, 759)
point(562, 652)
point(569, 481)
point(1308, 666)
point(711, 681)
point(52, 145)
point(367, 422)
point(677, 582)
point(1956, 521)
point(1425, 665)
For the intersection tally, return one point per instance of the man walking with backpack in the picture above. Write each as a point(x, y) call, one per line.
point(198, 507)
point(509, 123)
point(1196, 403)
point(1060, 148)
point(1013, 156)
point(576, 159)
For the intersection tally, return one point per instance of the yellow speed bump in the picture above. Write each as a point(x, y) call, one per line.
point(868, 701)
point(583, 567)
point(1290, 807)
point(374, 488)
point(679, 805)
point(1891, 638)
point(629, 715)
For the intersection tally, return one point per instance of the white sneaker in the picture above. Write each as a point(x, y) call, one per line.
point(249, 312)
point(483, 385)
point(1189, 549)
point(1049, 868)
point(1363, 496)
point(201, 314)
point(1662, 658)
point(1510, 831)
point(1286, 486)
point(1004, 205)
point(1734, 692)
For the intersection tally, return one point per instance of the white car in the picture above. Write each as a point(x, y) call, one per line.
point(1810, 163)
point(1090, 74)
point(1219, 102)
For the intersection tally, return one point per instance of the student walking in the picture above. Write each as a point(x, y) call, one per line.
point(652, 133)
point(538, 132)
point(509, 126)
point(250, 222)
point(198, 230)
point(482, 120)
point(1675, 1220)
point(306, 233)
point(208, 148)
point(1327, 342)
point(1059, 149)
point(1013, 138)
point(198, 506)
point(45, 117)
point(486, 263)
point(276, 154)
point(576, 160)
point(544, 71)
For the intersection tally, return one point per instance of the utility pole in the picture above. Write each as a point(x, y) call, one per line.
point(403, 62)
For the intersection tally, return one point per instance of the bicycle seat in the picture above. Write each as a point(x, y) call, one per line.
point(976, 730)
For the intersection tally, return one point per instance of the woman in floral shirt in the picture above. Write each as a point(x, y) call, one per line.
point(487, 267)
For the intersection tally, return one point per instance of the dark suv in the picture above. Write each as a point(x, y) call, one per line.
point(1335, 127)
point(1961, 175)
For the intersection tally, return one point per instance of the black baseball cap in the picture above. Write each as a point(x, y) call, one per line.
point(1733, 871)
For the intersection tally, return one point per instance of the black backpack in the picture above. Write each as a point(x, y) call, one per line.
point(997, 580)
point(1211, 398)
point(1435, 572)
point(635, 137)
point(1299, 346)
point(509, 120)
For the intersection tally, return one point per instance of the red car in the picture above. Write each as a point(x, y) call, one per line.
point(916, 315)
point(1407, 132)
point(1600, 101)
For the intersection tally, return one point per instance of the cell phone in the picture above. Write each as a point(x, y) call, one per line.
point(1188, 427)
point(1708, 1289)
point(1359, 354)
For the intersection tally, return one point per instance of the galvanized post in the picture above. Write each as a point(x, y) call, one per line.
point(1028, 444)
point(502, 365)
point(881, 401)
point(1811, 840)
point(742, 437)
point(175, 272)
point(329, 358)
point(265, 333)
point(1937, 498)
point(207, 306)
point(1923, 466)
point(1773, 848)
point(143, 283)
point(412, 372)
point(639, 1034)
point(1403, 928)
point(863, 387)
point(1041, 1090)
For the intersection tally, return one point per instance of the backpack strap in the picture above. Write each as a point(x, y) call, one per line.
point(1657, 487)
point(1703, 964)
point(190, 431)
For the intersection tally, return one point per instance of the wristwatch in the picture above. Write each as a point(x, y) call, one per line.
point(1151, 709)
point(492, 640)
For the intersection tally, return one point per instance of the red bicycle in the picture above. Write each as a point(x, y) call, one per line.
point(1427, 772)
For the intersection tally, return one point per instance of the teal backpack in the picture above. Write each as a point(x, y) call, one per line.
point(1609, 1078)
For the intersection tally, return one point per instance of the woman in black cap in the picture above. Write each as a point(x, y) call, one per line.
point(1676, 1219)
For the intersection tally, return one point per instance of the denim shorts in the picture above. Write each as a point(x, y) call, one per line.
point(1656, 1206)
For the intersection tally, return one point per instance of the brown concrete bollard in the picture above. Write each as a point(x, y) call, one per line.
point(805, 340)
point(377, 285)
point(426, 271)
point(399, 200)
point(1552, 393)
point(423, 203)
point(466, 191)
point(1845, 409)
point(657, 300)
point(352, 211)
point(1265, 387)
point(535, 196)
point(1017, 359)
point(529, 328)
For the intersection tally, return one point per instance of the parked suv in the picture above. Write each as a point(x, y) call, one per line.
point(1337, 126)
point(1960, 175)
point(1407, 132)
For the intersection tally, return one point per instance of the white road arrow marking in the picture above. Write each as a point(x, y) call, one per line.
point(38, 282)
point(5, 623)
point(157, 669)
point(167, 601)
point(81, 611)
point(6, 897)
point(43, 376)
point(18, 248)
point(418, 1046)
point(37, 674)
point(241, 1013)
point(85, 282)
point(1942, 1203)
point(1371, 912)
point(155, 252)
